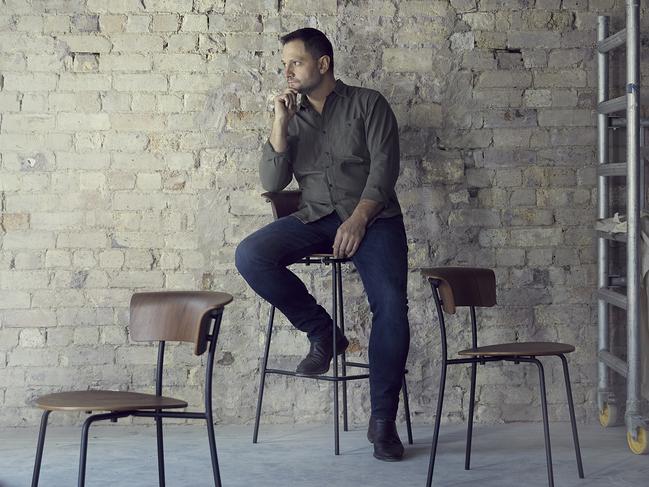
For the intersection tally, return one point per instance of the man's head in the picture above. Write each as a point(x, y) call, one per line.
point(307, 57)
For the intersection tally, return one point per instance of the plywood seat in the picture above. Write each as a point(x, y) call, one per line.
point(106, 401)
point(523, 349)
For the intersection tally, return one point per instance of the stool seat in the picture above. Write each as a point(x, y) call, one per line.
point(105, 401)
point(532, 349)
point(329, 257)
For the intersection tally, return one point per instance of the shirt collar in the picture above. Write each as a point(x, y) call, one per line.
point(340, 89)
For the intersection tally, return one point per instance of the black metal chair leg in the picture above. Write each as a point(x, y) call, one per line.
point(469, 431)
point(438, 420)
point(161, 458)
point(39, 448)
point(215, 461)
point(262, 378)
point(573, 421)
point(84, 451)
point(406, 408)
point(546, 425)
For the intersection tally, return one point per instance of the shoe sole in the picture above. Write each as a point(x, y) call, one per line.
point(388, 459)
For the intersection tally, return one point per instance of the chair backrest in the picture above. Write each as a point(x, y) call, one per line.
point(175, 316)
point(463, 286)
point(283, 202)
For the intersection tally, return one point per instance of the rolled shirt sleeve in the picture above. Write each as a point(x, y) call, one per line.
point(383, 145)
point(275, 168)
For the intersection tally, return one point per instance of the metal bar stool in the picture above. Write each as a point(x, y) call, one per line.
point(475, 287)
point(285, 203)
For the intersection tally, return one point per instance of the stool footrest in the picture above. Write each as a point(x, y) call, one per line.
point(330, 378)
point(361, 365)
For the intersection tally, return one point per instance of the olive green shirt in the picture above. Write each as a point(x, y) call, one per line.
point(348, 153)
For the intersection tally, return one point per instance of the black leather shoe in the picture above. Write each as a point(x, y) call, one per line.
point(383, 434)
point(318, 360)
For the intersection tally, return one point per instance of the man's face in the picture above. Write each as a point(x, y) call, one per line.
point(300, 68)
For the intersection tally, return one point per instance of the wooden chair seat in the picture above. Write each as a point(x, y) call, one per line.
point(528, 349)
point(106, 401)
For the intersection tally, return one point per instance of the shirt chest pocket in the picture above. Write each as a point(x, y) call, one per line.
point(350, 139)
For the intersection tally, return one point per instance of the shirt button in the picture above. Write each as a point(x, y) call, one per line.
point(324, 131)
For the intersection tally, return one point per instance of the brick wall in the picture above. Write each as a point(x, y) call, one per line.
point(130, 132)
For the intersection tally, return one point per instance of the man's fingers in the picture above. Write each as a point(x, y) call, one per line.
point(336, 246)
point(351, 245)
point(354, 249)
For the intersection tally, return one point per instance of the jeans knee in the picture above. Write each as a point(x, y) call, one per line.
point(244, 257)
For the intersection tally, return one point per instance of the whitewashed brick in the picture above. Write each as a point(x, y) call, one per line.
point(28, 318)
point(96, 239)
point(140, 82)
point(83, 121)
point(27, 123)
point(29, 81)
point(29, 240)
point(32, 338)
point(137, 43)
point(87, 43)
point(57, 258)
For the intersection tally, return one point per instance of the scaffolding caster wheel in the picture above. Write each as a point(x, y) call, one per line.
point(609, 416)
point(639, 446)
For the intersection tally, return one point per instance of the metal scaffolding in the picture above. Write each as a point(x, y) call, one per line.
point(621, 292)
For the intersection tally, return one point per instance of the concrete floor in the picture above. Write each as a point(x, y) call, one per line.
point(503, 456)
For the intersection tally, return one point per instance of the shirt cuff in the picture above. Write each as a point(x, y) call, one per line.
point(374, 193)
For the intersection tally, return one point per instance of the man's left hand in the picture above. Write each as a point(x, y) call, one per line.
point(349, 236)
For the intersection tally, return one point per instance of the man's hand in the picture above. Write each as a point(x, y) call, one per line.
point(286, 105)
point(349, 236)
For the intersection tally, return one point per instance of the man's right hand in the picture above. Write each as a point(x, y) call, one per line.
point(285, 105)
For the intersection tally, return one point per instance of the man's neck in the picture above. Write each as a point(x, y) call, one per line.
point(318, 96)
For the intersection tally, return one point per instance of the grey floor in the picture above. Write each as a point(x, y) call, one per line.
point(503, 455)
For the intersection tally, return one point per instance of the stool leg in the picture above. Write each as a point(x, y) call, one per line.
point(546, 425)
point(573, 422)
point(341, 320)
point(406, 408)
point(39, 449)
point(334, 315)
point(438, 420)
point(262, 375)
point(469, 431)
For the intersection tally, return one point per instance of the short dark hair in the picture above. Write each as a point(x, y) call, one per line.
point(315, 42)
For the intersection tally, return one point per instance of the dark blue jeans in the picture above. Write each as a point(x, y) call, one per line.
point(381, 260)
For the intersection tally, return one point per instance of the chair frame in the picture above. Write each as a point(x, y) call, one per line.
point(282, 204)
point(158, 414)
point(482, 360)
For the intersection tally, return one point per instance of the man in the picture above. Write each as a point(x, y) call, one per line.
point(341, 143)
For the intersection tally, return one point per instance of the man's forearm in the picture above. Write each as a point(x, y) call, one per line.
point(366, 210)
point(279, 135)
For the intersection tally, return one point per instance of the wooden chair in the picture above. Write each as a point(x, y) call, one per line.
point(284, 203)
point(158, 316)
point(461, 286)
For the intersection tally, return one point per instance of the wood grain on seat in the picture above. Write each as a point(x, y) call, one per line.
point(106, 401)
point(519, 349)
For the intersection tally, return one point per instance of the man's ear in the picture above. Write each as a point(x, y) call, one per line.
point(323, 64)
